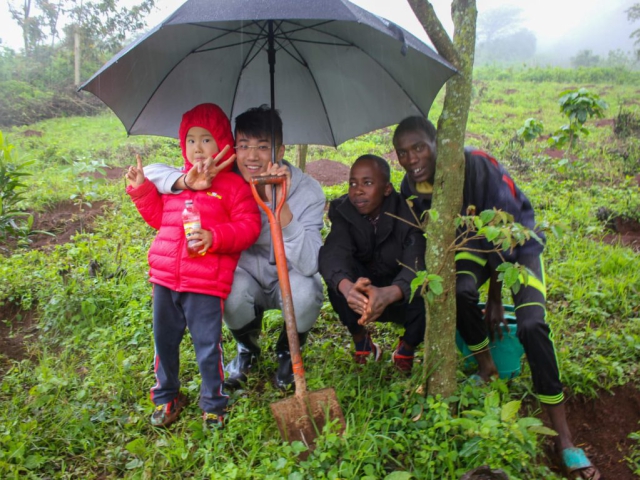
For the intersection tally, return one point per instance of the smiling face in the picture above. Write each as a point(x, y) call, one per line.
point(200, 145)
point(415, 154)
point(253, 155)
point(368, 187)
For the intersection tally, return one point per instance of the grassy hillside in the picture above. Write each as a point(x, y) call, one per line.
point(77, 406)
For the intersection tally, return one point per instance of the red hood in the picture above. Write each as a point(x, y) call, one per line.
point(210, 117)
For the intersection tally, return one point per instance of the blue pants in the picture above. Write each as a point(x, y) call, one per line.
point(473, 270)
point(172, 313)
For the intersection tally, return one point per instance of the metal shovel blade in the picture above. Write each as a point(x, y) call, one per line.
point(301, 418)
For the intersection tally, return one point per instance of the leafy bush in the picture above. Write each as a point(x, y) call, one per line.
point(577, 105)
point(531, 129)
point(14, 222)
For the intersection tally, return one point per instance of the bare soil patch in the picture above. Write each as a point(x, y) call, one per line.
point(553, 153)
point(328, 172)
point(16, 327)
point(604, 122)
point(601, 427)
point(627, 233)
point(32, 133)
point(64, 220)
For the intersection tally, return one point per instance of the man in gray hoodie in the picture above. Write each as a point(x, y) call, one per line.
point(255, 284)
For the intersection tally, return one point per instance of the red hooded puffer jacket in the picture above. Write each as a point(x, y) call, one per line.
point(227, 209)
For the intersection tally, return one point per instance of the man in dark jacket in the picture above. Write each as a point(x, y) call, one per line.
point(487, 186)
point(369, 260)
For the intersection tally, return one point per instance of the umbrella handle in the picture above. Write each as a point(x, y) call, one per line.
point(283, 275)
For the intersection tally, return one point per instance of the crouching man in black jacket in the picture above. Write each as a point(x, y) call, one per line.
point(369, 260)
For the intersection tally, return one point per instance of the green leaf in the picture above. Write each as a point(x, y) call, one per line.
point(418, 282)
point(487, 215)
point(510, 410)
point(529, 422)
point(491, 233)
point(435, 284)
point(511, 276)
point(504, 266)
point(542, 430)
point(465, 423)
point(133, 464)
point(471, 447)
point(491, 400)
point(137, 447)
point(399, 476)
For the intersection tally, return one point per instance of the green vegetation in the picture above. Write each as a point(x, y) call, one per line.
point(13, 221)
point(78, 406)
point(578, 106)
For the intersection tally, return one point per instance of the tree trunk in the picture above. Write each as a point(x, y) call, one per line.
point(302, 156)
point(76, 57)
point(440, 348)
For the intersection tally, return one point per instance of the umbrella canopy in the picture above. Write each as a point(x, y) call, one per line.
point(339, 71)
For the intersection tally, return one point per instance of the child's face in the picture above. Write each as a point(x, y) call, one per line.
point(200, 145)
point(253, 155)
point(367, 187)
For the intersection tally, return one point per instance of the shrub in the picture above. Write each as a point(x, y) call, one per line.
point(13, 221)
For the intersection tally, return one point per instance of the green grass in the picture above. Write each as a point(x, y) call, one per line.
point(78, 407)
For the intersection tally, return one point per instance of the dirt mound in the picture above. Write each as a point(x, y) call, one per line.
point(16, 327)
point(627, 234)
point(626, 230)
point(328, 172)
point(601, 426)
point(64, 220)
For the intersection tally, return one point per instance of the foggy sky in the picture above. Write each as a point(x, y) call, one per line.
point(562, 27)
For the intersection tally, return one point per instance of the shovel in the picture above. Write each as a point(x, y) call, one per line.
point(301, 417)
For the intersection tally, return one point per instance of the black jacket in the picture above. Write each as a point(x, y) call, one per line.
point(352, 248)
point(487, 185)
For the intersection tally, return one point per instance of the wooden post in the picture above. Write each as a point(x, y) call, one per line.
point(302, 156)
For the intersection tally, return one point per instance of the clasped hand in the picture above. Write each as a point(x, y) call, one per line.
point(368, 300)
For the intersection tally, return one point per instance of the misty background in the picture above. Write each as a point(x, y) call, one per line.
point(546, 32)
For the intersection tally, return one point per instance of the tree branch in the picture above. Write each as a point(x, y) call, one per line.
point(436, 32)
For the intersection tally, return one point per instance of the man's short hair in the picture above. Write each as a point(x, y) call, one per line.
point(256, 123)
point(411, 124)
point(383, 165)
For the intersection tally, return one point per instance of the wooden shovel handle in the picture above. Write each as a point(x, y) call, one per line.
point(283, 275)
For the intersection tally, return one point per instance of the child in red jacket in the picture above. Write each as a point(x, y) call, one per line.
point(190, 292)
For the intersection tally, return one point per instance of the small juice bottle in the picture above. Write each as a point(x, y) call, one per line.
point(191, 221)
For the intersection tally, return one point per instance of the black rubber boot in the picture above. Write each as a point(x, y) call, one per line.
point(248, 352)
point(284, 374)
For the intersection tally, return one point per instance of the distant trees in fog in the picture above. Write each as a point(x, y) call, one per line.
point(501, 37)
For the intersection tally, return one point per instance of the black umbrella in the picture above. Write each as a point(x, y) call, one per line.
point(337, 70)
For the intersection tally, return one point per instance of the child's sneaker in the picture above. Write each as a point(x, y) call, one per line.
point(365, 348)
point(403, 357)
point(213, 420)
point(167, 413)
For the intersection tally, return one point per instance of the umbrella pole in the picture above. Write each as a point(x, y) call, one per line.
point(271, 55)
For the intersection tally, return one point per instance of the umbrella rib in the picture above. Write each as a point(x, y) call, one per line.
point(227, 31)
point(306, 65)
point(347, 43)
point(246, 62)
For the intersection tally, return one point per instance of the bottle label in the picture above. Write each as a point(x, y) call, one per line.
point(189, 227)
